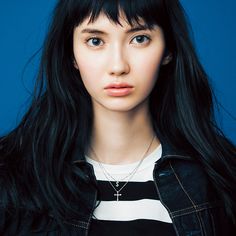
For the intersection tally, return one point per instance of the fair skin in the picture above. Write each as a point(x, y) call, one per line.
point(122, 128)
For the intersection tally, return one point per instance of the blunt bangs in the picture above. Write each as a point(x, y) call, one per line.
point(151, 11)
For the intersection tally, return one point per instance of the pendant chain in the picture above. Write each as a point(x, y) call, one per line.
point(130, 175)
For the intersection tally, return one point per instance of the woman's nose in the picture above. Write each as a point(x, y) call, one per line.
point(118, 62)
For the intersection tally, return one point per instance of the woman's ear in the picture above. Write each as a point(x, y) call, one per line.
point(167, 59)
point(75, 64)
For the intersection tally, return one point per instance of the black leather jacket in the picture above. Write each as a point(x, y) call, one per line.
point(182, 186)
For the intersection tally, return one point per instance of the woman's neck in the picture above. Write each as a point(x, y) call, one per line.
point(119, 138)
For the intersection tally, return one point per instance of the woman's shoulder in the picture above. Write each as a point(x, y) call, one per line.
point(189, 177)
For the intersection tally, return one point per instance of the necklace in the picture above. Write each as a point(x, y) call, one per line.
point(130, 175)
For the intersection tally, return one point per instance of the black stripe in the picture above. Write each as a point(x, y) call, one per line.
point(128, 228)
point(132, 191)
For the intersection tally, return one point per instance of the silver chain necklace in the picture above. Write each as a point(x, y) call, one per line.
point(130, 175)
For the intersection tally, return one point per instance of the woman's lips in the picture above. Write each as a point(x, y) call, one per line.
point(119, 89)
point(118, 92)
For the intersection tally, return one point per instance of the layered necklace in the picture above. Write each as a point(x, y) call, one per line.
point(108, 176)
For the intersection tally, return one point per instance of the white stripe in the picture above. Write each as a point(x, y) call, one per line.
point(143, 175)
point(132, 210)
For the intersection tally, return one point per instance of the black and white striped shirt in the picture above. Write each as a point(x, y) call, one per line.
point(139, 210)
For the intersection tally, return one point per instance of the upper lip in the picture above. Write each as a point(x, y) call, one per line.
point(119, 85)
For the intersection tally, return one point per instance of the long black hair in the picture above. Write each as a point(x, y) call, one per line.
point(37, 156)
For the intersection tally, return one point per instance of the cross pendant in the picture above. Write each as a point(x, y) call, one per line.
point(117, 194)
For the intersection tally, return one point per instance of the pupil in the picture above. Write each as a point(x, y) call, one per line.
point(96, 41)
point(140, 39)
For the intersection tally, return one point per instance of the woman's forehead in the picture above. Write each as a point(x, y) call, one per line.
point(103, 19)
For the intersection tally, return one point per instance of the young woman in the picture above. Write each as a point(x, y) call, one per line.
point(120, 138)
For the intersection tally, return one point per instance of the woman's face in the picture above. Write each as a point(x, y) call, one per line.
point(108, 54)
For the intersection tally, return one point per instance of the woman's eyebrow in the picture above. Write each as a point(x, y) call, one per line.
point(132, 30)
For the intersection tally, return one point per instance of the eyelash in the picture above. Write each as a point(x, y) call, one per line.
point(145, 36)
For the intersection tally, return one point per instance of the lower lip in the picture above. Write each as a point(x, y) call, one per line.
point(118, 92)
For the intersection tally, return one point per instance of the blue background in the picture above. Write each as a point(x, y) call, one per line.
point(23, 26)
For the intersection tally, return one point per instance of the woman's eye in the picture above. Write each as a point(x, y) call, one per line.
point(141, 39)
point(94, 42)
